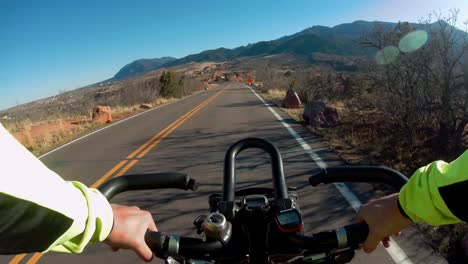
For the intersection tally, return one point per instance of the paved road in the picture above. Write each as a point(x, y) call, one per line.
point(206, 124)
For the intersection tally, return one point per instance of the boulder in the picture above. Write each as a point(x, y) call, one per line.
point(218, 75)
point(102, 114)
point(319, 114)
point(146, 106)
point(291, 100)
point(258, 84)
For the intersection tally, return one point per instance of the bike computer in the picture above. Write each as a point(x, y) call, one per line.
point(289, 220)
point(252, 201)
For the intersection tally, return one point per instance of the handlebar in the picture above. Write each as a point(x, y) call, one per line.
point(358, 174)
point(355, 234)
point(345, 237)
point(229, 183)
point(349, 236)
point(148, 181)
point(159, 242)
point(164, 245)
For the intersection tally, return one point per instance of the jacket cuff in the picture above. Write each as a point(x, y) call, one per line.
point(104, 216)
point(402, 211)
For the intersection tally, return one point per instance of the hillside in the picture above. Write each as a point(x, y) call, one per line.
point(141, 66)
point(341, 40)
point(338, 40)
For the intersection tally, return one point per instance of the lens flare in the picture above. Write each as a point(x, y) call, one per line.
point(413, 41)
point(387, 55)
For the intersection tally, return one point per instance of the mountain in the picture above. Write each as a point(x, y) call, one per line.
point(341, 40)
point(141, 66)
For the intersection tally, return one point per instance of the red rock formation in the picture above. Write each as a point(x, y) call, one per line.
point(291, 100)
point(102, 114)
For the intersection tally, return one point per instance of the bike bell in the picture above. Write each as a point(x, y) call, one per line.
point(217, 227)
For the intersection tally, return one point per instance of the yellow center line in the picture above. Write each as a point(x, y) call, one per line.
point(134, 153)
point(17, 259)
point(34, 258)
point(142, 154)
point(124, 170)
point(157, 138)
point(108, 174)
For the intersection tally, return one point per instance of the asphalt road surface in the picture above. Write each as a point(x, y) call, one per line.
point(192, 136)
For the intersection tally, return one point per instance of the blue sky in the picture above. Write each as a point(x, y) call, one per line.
point(47, 46)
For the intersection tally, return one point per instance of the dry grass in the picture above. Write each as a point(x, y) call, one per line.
point(121, 112)
point(276, 93)
point(163, 100)
point(275, 96)
point(42, 136)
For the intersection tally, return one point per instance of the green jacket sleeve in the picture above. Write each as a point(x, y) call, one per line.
point(437, 193)
point(40, 211)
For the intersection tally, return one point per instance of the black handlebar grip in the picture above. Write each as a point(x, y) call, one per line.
point(158, 243)
point(147, 181)
point(358, 174)
point(356, 234)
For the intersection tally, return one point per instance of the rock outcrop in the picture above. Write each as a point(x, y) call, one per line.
point(319, 114)
point(291, 100)
point(146, 106)
point(102, 114)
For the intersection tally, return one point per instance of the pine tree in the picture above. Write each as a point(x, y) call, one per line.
point(167, 84)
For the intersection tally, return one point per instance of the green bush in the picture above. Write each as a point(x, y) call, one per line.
point(170, 85)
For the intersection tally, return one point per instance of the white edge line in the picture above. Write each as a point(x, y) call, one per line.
point(395, 252)
point(113, 124)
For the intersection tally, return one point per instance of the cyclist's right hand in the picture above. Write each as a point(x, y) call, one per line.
point(128, 232)
point(384, 219)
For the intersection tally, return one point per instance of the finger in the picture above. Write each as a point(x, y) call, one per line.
point(386, 242)
point(371, 243)
point(150, 222)
point(115, 249)
point(152, 226)
point(144, 252)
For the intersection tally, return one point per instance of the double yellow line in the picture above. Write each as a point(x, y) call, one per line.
point(132, 159)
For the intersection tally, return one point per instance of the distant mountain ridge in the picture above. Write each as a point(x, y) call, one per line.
point(141, 66)
point(340, 40)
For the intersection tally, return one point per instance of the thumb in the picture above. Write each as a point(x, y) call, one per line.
point(144, 252)
point(371, 242)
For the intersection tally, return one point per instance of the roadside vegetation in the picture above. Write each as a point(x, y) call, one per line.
point(404, 110)
point(62, 118)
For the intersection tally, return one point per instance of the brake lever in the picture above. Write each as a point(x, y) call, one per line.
point(335, 257)
point(198, 223)
point(344, 256)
